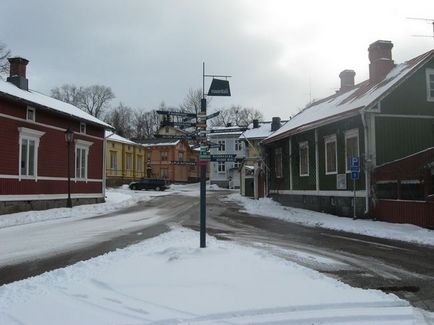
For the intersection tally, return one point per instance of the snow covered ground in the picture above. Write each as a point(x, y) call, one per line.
point(268, 208)
point(169, 280)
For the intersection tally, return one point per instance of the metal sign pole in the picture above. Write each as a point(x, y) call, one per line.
point(354, 202)
point(203, 172)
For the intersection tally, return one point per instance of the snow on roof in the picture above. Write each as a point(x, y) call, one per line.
point(341, 104)
point(261, 132)
point(114, 137)
point(159, 142)
point(49, 102)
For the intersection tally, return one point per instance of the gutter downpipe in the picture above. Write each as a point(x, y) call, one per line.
point(367, 161)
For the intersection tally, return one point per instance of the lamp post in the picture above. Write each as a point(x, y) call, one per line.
point(69, 136)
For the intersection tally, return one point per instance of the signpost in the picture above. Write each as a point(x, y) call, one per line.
point(183, 162)
point(224, 157)
point(355, 174)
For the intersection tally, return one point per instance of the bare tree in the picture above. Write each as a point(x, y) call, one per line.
point(146, 124)
point(236, 116)
point(93, 99)
point(192, 101)
point(121, 118)
point(68, 93)
point(5, 53)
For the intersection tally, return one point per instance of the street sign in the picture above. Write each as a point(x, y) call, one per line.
point(175, 137)
point(224, 157)
point(219, 88)
point(187, 124)
point(183, 162)
point(355, 175)
point(207, 117)
point(174, 113)
point(355, 163)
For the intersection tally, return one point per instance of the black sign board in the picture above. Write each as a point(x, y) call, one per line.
point(176, 137)
point(224, 157)
point(183, 162)
point(186, 124)
point(219, 88)
point(174, 113)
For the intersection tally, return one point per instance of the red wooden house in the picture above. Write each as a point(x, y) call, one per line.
point(33, 149)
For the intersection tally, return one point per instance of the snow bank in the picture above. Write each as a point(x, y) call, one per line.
point(268, 208)
point(170, 280)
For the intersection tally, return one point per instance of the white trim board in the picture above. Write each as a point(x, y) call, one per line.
point(361, 193)
point(48, 178)
point(43, 197)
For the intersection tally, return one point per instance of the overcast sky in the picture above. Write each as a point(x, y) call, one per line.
point(281, 54)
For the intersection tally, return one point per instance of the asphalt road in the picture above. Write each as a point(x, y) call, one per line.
point(404, 269)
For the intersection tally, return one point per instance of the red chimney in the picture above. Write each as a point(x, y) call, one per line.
point(347, 80)
point(17, 72)
point(380, 57)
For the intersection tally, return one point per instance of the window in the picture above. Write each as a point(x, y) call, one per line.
point(331, 166)
point(278, 162)
point(181, 155)
point(113, 161)
point(164, 172)
point(222, 145)
point(238, 145)
point(148, 155)
point(221, 166)
point(82, 127)
point(430, 85)
point(303, 151)
point(163, 155)
point(28, 152)
point(139, 163)
point(30, 114)
point(237, 164)
point(129, 161)
point(351, 147)
point(81, 158)
point(193, 165)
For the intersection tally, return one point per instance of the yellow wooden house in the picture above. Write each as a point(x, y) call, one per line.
point(125, 160)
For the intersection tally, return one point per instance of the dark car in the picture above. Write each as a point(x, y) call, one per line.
point(149, 184)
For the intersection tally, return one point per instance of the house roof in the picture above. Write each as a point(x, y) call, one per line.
point(261, 132)
point(344, 104)
point(32, 97)
point(158, 142)
point(115, 137)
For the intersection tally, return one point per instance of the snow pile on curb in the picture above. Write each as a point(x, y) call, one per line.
point(266, 207)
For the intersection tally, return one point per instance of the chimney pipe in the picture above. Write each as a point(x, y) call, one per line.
point(275, 123)
point(17, 72)
point(380, 57)
point(255, 123)
point(347, 80)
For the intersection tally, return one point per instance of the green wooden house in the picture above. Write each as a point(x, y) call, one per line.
point(385, 118)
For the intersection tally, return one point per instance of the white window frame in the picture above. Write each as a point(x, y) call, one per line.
point(140, 163)
point(82, 127)
point(278, 163)
point(82, 145)
point(222, 144)
point(181, 155)
point(238, 145)
point(330, 139)
point(33, 111)
point(29, 135)
point(237, 164)
point(129, 161)
point(353, 133)
point(113, 160)
point(221, 167)
point(164, 175)
point(303, 145)
point(429, 73)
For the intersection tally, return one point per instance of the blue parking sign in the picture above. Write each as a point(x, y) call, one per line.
point(355, 175)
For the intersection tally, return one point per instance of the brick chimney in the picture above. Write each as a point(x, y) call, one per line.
point(275, 123)
point(347, 80)
point(380, 57)
point(17, 72)
point(255, 123)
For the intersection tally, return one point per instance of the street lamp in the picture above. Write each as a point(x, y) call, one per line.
point(69, 136)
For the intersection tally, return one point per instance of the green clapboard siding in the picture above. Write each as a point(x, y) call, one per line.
point(279, 183)
point(303, 182)
point(398, 137)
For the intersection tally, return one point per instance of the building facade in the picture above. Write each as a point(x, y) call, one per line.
point(34, 169)
point(226, 142)
point(125, 160)
point(385, 118)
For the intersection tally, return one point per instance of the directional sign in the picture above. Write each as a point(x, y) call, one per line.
point(187, 124)
point(207, 117)
point(224, 157)
point(174, 113)
point(176, 137)
point(183, 162)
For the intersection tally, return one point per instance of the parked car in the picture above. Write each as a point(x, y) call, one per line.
point(149, 184)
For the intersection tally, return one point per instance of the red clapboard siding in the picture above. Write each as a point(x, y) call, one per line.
point(412, 212)
point(15, 187)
